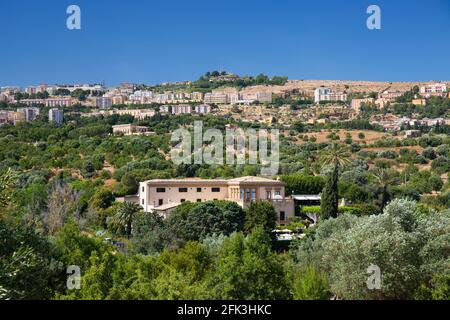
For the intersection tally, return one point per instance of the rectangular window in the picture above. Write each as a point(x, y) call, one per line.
point(142, 201)
point(268, 194)
point(199, 189)
point(182, 200)
point(253, 194)
point(282, 216)
point(182, 189)
point(199, 200)
point(160, 190)
point(215, 189)
point(277, 193)
point(160, 202)
point(143, 189)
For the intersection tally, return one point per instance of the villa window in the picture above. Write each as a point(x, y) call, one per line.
point(160, 190)
point(183, 190)
point(253, 194)
point(199, 189)
point(182, 200)
point(215, 189)
point(282, 216)
point(268, 194)
point(160, 202)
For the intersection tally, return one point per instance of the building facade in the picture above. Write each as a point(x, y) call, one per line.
point(163, 195)
point(433, 88)
point(326, 94)
point(55, 115)
point(129, 129)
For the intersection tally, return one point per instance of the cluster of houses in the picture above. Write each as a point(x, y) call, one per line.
point(28, 114)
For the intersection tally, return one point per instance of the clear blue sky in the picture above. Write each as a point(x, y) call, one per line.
point(146, 41)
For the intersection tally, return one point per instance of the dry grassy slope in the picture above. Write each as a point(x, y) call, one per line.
point(308, 86)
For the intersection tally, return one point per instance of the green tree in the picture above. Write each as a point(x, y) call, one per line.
point(150, 233)
point(122, 222)
point(310, 284)
point(197, 221)
point(383, 177)
point(261, 213)
point(248, 269)
point(336, 155)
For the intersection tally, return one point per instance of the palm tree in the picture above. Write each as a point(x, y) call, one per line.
point(125, 216)
point(337, 155)
point(384, 177)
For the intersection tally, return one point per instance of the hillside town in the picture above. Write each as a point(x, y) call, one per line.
point(313, 102)
point(90, 166)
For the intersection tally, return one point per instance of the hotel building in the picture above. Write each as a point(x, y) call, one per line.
point(164, 195)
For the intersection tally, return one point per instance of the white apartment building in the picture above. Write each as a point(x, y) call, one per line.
point(181, 109)
point(326, 94)
point(55, 115)
point(433, 88)
point(164, 195)
point(84, 87)
point(141, 96)
point(203, 108)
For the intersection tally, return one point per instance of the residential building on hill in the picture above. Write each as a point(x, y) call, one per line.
point(326, 94)
point(55, 115)
point(433, 88)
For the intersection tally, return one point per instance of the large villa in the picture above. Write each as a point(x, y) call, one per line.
point(164, 195)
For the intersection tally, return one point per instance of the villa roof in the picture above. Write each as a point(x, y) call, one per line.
point(241, 180)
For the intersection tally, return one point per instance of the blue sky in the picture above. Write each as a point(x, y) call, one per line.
point(147, 41)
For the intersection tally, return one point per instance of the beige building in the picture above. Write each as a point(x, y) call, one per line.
point(356, 103)
point(129, 129)
point(217, 98)
point(419, 102)
point(163, 195)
